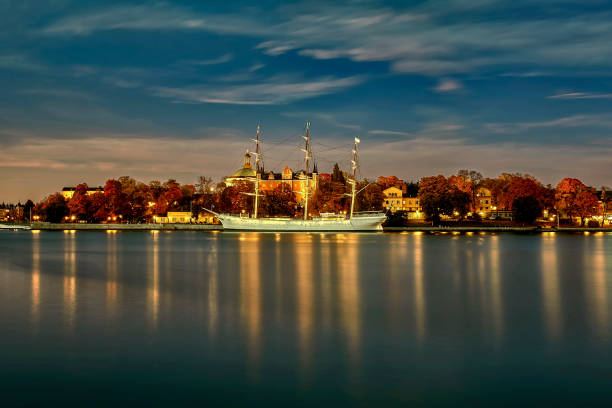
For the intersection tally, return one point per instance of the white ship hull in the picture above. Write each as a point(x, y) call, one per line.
point(360, 223)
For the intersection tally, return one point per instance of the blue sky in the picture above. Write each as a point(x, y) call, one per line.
point(93, 90)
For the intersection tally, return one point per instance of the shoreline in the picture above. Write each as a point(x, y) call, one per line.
point(212, 227)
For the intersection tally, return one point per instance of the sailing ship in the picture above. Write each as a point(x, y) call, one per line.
point(331, 222)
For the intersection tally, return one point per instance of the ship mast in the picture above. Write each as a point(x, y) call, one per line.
point(258, 166)
point(257, 153)
point(354, 179)
point(306, 150)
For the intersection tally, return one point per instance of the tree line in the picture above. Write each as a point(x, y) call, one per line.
point(523, 194)
point(128, 200)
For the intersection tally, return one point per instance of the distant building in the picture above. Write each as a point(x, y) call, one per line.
point(68, 192)
point(269, 181)
point(174, 217)
point(4, 214)
point(484, 202)
point(396, 200)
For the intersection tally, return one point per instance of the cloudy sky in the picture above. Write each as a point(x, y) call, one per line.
point(93, 90)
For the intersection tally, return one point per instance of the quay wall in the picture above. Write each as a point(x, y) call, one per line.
point(126, 227)
point(496, 229)
point(211, 227)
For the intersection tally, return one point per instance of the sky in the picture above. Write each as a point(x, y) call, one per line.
point(92, 90)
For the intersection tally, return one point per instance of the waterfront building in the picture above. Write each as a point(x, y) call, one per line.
point(68, 192)
point(269, 180)
point(395, 199)
point(174, 217)
point(484, 202)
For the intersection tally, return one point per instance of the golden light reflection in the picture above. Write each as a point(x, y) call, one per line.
point(70, 279)
point(213, 289)
point(153, 290)
point(326, 281)
point(35, 305)
point(597, 290)
point(419, 293)
point(304, 296)
point(495, 289)
point(250, 293)
point(551, 296)
point(350, 307)
point(395, 266)
point(111, 272)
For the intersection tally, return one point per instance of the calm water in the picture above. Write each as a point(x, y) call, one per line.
point(184, 318)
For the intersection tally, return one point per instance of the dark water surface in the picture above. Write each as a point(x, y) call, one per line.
point(188, 318)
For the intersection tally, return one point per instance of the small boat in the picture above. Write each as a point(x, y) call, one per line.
point(329, 222)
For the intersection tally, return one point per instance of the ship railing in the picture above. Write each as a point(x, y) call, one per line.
point(367, 213)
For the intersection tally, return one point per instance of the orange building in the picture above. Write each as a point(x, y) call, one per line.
point(269, 181)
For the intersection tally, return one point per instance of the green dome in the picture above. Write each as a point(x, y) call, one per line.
point(245, 172)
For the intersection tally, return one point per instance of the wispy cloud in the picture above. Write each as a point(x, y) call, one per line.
point(213, 61)
point(425, 38)
point(20, 62)
point(273, 91)
point(59, 93)
point(581, 95)
point(563, 122)
point(448, 85)
point(389, 132)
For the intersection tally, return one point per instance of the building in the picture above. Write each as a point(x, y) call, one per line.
point(4, 214)
point(68, 192)
point(174, 217)
point(269, 181)
point(484, 202)
point(396, 200)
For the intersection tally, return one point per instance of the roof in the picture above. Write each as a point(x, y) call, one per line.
point(245, 172)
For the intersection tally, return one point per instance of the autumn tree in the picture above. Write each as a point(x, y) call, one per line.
point(526, 209)
point(173, 196)
point(79, 203)
point(575, 199)
point(438, 197)
point(474, 178)
point(278, 202)
point(434, 198)
point(370, 198)
point(98, 209)
point(53, 208)
point(204, 185)
point(329, 197)
point(386, 182)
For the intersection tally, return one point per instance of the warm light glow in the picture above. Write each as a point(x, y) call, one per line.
point(73, 217)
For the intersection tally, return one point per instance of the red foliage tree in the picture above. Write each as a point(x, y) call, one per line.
point(575, 199)
point(173, 196)
point(79, 203)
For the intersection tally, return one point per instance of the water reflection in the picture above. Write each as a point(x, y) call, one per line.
point(153, 285)
point(111, 272)
point(597, 290)
point(250, 293)
point(551, 295)
point(348, 286)
point(419, 294)
point(495, 288)
point(213, 289)
point(69, 278)
point(35, 284)
point(304, 295)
